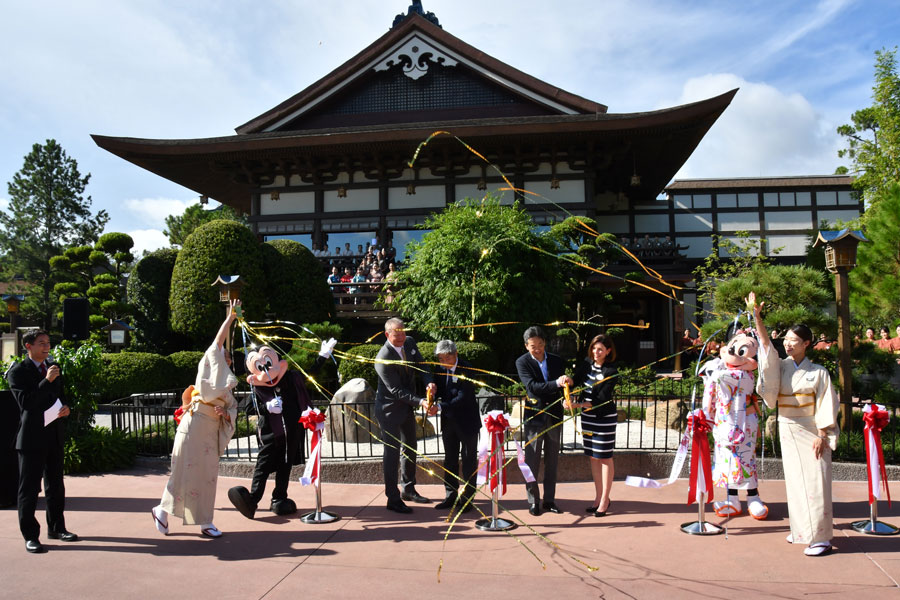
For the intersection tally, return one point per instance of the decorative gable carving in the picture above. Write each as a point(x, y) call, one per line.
point(415, 56)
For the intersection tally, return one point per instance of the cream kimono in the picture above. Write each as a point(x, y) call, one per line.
point(806, 403)
point(200, 439)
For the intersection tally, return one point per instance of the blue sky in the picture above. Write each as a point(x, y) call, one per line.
point(173, 69)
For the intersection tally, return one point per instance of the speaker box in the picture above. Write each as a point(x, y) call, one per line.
point(75, 318)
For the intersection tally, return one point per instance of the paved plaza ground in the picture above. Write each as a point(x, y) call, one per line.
point(636, 551)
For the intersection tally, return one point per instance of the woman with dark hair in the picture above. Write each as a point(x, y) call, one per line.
point(807, 429)
point(598, 416)
point(884, 343)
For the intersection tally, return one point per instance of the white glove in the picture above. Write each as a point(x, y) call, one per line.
point(274, 405)
point(327, 347)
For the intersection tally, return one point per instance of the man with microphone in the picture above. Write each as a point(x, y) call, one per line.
point(37, 387)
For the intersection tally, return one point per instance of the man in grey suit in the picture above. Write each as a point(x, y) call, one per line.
point(397, 364)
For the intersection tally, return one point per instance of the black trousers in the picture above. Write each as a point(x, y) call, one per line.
point(458, 443)
point(271, 459)
point(396, 436)
point(549, 443)
point(9, 477)
point(46, 463)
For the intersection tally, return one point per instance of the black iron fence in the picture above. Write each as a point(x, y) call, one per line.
point(650, 419)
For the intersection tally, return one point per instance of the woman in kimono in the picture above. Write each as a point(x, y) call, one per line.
point(807, 425)
point(206, 427)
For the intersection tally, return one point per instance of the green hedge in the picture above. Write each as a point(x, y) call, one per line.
point(295, 283)
point(127, 373)
point(148, 294)
point(99, 450)
point(479, 355)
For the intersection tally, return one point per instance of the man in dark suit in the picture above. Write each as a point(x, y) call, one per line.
point(37, 385)
point(460, 424)
point(543, 375)
point(397, 364)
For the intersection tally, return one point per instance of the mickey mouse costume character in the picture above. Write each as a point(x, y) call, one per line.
point(281, 397)
point(728, 395)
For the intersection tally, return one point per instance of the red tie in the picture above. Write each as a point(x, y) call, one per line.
point(43, 370)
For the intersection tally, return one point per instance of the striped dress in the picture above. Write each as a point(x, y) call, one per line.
point(598, 423)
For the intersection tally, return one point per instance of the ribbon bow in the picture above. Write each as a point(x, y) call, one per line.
point(314, 420)
point(493, 463)
point(701, 469)
point(876, 419)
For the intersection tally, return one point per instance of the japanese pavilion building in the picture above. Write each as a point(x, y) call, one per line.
point(331, 164)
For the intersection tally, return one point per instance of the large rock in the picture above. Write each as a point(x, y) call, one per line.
point(352, 413)
point(664, 414)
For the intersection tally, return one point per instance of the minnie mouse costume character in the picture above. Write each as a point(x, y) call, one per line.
point(728, 394)
point(281, 398)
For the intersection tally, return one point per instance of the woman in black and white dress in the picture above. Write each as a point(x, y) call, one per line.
point(597, 376)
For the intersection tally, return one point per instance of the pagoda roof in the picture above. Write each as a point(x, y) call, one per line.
point(222, 167)
point(432, 45)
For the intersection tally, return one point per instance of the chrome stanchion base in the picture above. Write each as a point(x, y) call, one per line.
point(320, 517)
point(701, 528)
point(874, 527)
point(494, 524)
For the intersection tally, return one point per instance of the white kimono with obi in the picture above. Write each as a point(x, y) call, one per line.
point(727, 395)
point(806, 403)
point(200, 439)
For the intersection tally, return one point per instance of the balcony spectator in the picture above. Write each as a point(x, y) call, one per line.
point(347, 277)
point(390, 277)
point(360, 277)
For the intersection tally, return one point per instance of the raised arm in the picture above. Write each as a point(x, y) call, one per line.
point(222, 335)
point(758, 322)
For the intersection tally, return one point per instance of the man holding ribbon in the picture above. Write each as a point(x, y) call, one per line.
point(460, 423)
point(543, 375)
point(397, 364)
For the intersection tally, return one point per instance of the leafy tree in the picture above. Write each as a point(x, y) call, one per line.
point(875, 282)
point(47, 213)
point(481, 263)
point(220, 247)
point(792, 294)
point(295, 281)
point(873, 138)
point(148, 294)
point(179, 227)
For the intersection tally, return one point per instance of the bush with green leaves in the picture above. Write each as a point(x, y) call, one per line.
point(99, 450)
point(220, 247)
point(184, 365)
point(81, 368)
point(148, 294)
point(295, 283)
point(127, 373)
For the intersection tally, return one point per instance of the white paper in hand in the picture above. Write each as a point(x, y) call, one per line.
point(52, 413)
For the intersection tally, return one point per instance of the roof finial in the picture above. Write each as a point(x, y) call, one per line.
point(415, 9)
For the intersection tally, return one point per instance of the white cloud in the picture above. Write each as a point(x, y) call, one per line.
point(763, 132)
point(147, 239)
point(4, 203)
point(152, 212)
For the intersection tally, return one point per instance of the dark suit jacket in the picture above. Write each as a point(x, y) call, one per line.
point(459, 408)
point(542, 394)
point(600, 395)
point(396, 396)
point(34, 394)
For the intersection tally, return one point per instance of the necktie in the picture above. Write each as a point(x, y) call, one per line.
point(43, 369)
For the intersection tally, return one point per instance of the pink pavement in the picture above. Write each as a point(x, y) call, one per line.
point(636, 551)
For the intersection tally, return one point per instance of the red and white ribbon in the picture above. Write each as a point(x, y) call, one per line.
point(701, 466)
point(876, 419)
point(314, 420)
point(491, 456)
point(677, 465)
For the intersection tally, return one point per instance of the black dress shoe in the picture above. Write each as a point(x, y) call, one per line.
point(534, 509)
point(602, 513)
point(415, 496)
point(398, 506)
point(591, 509)
point(552, 507)
point(34, 547)
point(63, 536)
point(446, 503)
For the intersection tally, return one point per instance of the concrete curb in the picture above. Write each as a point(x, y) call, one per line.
point(572, 467)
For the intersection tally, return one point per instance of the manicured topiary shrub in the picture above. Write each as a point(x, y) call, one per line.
point(127, 373)
point(217, 248)
point(184, 365)
point(148, 294)
point(296, 286)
